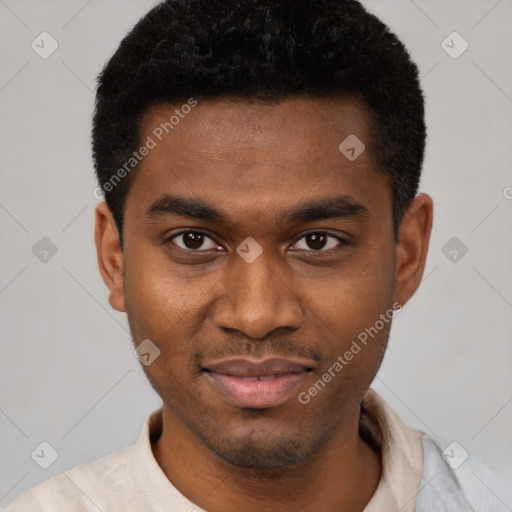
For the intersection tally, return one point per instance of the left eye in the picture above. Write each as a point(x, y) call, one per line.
point(319, 241)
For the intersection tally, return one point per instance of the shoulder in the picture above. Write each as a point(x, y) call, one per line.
point(84, 488)
point(455, 480)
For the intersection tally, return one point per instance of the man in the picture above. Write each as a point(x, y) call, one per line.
point(261, 228)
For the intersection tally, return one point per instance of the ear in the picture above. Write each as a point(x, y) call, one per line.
point(110, 255)
point(412, 247)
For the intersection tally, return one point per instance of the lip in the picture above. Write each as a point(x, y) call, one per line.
point(257, 384)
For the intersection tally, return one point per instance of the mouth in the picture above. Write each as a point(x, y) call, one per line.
point(257, 384)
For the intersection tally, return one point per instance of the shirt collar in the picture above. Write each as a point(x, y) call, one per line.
point(401, 451)
point(380, 427)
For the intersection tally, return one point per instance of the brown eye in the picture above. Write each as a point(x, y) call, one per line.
point(319, 241)
point(193, 241)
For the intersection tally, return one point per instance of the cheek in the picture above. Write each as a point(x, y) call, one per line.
point(155, 308)
point(159, 288)
point(348, 311)
point(165, 306)
point(156, 312)
point(355, 294)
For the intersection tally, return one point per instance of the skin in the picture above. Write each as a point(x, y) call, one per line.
point(256, 163)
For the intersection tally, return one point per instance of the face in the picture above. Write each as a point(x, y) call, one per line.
point(249, 236)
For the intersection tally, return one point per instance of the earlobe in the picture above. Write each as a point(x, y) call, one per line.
point(412, 247)
point(110, 255)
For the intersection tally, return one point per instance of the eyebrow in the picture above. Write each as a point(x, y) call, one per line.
point(334, 207)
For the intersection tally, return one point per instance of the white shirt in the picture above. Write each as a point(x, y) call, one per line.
point(415, 477)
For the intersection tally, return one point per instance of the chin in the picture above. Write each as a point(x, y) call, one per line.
point(259, 454)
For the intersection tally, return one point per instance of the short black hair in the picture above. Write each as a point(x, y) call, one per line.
point(267, 51)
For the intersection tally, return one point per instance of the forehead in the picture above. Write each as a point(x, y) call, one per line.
point(256, 156)
point(229, 122)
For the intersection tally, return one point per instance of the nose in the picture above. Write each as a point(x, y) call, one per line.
point(258, 298)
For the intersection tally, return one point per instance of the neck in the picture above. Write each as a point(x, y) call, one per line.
point(341, 476)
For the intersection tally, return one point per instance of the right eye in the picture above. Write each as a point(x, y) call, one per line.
point(192, 240)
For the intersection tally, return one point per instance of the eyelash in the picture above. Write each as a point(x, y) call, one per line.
point(343, 242)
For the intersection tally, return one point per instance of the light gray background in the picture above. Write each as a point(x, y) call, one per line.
point(68, 375)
